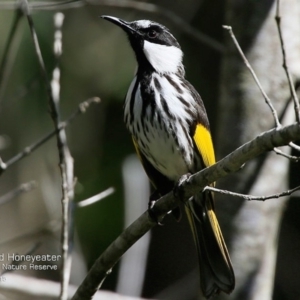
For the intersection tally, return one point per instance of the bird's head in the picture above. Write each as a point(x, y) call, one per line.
point(154, 45)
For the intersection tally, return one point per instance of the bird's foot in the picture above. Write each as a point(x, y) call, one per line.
point(178, 190)
point(153, 214)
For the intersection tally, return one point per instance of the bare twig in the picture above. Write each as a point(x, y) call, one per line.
point(25, 187)
point(251, 197)
point(96, 198)
point(26, 12)
point(267, 99)
point(285, 66)
point(290, 157)
point(193, 185)
point(3, 65)
point(28, 150)
point(65, 158)
point(66, 165)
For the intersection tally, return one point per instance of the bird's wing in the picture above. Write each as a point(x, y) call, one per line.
point(203, 141)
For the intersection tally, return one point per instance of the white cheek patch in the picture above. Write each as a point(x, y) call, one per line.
point(164, 59)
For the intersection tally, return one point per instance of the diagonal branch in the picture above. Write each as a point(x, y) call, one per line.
point(194, 184)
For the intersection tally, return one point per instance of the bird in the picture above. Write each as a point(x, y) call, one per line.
point(167, 120)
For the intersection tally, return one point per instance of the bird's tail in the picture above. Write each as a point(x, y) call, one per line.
point(216, 272)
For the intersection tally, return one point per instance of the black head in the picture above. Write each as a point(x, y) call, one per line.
point(152, 43)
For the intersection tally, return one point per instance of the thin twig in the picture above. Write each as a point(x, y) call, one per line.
point(267, 99)
point(26, 12)
point(65, 159)
point(284, 65)
point(66, 165)
point(96, 198)
point(82, 107)
point(7, 49)
point(290, 157)
point(23, 188)
point(251, 197)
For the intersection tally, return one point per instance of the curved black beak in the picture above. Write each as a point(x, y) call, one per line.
point(121, 23)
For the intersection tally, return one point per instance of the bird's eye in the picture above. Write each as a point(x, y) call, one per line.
point(152, 33)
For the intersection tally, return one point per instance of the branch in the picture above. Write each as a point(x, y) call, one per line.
point(193, 185)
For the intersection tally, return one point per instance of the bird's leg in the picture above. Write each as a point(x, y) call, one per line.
point(151, 207)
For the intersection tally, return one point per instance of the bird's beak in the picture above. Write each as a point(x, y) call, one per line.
point(121, 23)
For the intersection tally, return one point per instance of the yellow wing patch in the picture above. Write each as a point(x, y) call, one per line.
point(204, 144)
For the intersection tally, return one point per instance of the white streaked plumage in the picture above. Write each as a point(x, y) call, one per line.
point(172, 154)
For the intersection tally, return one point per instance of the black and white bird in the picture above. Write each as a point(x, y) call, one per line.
point(170, 130)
